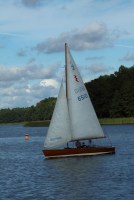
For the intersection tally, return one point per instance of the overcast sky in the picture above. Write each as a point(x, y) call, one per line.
point(100, 34)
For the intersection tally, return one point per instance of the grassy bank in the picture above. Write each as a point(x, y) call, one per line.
point(103, 121)
point(129, 120)
point(37, 123)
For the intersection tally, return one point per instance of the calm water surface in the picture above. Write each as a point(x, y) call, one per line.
point(26, 175)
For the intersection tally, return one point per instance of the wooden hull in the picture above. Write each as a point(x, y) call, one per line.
point(70, 152)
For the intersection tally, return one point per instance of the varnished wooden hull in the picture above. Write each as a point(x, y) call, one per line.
point(69, 152)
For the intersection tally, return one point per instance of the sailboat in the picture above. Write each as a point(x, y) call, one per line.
point(74, 122)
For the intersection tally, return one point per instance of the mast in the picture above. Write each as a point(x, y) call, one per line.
point(66, 68)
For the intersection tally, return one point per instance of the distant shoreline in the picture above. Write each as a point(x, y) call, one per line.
point(103, 121)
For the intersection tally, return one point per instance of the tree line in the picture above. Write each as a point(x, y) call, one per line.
point(112, 96)
point(42, 111)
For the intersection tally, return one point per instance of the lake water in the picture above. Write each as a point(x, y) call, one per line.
point(25, 174)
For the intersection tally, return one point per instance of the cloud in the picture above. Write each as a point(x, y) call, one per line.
point(29, 94)
point(25, 94)
point(31, 60)
point(125, 46)
point(32, 3)
point(94, 36)
point(98, 68)
point(21, 53)
point(90, 72)
point(49, 82)
point(28, 72)
point(128, 57)
point(25, 86)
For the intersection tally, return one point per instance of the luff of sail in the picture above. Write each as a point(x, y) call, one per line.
point(59, 131)
point(84, 122)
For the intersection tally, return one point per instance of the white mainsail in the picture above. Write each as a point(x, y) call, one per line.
point(84, 122)
point(59, 129)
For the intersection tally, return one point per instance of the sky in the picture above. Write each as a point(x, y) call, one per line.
point(99, 33)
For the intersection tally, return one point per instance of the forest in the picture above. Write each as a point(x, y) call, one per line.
point(112, 96)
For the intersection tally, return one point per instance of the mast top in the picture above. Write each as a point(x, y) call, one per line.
point(66, 46)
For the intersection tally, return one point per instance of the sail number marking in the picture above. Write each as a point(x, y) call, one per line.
point(82, 97)
point(79, 89)
point(73, 67)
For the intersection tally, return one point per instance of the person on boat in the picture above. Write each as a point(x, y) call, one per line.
point(83, 145)
point(90, 142)
point(78, 144)
point(67, 146)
